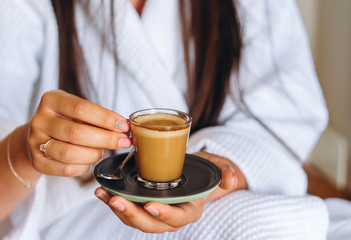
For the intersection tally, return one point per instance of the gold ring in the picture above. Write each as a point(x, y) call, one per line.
point(44, 146)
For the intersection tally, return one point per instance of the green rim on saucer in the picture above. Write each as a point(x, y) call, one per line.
point(200, 177)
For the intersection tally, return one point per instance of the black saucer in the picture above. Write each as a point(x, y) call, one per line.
point(200, 177)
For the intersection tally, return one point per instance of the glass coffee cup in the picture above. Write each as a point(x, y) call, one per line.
point(160, 138)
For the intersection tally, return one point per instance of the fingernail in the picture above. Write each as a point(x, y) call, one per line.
point(119, 124)
point(102, 197)
point(122, 126)
point(103, 152)
point(118, 205)
point(234, 181)
point(152, 210)
point(234, 178)
point(124, 142)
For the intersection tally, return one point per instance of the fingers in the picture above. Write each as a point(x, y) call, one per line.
point(232, 177)
point(73, 107)
point(102, 195)
point(79, 130)
point(229, 178)
point(85, 135)
point(133, 214)
point(72, 154)
point(229, 175)
point(61, 158)
point(157, 217)
point(52, 167)
point(178, 215)
point(217, 160)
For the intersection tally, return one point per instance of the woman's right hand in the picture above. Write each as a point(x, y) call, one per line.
point(80, 131)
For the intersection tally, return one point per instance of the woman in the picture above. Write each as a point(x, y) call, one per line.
point(254, 97)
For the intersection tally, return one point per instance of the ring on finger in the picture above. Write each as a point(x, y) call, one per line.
point(44, 146)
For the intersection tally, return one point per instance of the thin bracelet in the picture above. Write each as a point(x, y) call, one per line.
point(26, 184)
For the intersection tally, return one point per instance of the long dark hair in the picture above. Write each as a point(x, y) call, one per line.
point(213, 31)
point(211, 26)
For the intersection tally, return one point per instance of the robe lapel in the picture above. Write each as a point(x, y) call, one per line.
point(138, 54)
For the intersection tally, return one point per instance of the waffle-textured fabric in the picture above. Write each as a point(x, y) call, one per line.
point(279, 86)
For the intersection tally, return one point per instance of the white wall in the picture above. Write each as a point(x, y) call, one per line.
point(328, 23)
point(309, 11)
point(334, 61)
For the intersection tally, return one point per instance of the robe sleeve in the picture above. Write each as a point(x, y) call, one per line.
point(21, 41)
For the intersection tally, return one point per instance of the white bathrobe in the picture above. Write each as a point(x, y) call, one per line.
point(280, 87)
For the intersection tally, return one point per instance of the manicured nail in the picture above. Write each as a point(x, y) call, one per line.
point(234, 181)
point(152, 210)
point(118, 205)
point(102, 197)
point(119, 124)
point(124, 142)
point(234, 178)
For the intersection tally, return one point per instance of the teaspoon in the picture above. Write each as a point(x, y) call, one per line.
point(117, 175)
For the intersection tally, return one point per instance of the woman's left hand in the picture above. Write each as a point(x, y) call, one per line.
point(156, 217)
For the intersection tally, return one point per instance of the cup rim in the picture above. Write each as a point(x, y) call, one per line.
point(162, 110)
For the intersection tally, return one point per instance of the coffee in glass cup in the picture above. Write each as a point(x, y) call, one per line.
point(160, 139)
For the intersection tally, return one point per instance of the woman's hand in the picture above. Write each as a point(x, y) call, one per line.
point(79, 131)
point(156, 217)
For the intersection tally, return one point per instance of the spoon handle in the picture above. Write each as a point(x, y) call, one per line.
point(130, 154)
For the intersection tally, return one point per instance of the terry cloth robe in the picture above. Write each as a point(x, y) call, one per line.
point(279, 86)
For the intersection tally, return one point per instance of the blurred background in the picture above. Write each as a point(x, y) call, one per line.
point(328, 24)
